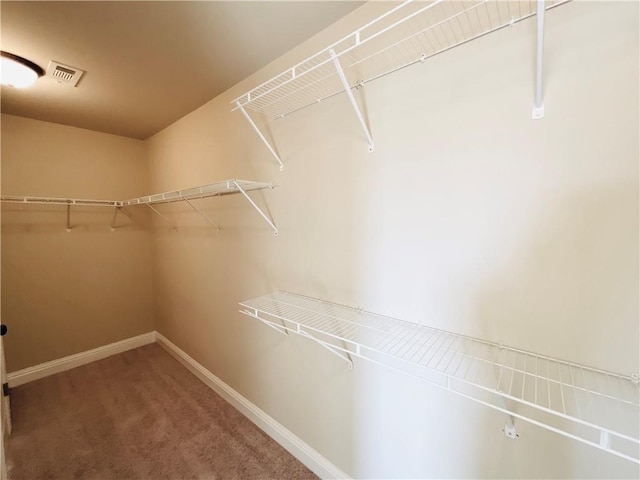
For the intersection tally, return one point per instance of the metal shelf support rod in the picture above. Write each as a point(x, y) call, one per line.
point(202, 214)
point(277, 328)
point(538, 107)
point(262, 137)
point(354, 104)
point(68, 217)
point(159, 213)
point(113, 220)
point(344, 356)
point(253, 204)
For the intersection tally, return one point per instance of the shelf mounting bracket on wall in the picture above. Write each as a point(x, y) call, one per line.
point(262, 137)
point(354, 104)
point(253, 204)
point(510, 428)
point(113, 220)
point(68, 217)
point(201, 213)
point(340, 354)
point(119, 209)
point(538, 106)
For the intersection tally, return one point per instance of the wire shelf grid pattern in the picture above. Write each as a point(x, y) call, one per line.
point(597, 407)
point(225, 187)
point(407, 34)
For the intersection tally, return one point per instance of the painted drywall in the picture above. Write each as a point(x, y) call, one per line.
point(469, 216)
point(67, 292)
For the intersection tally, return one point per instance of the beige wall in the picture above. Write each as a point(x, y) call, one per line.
point(469, 217)
point(67, 292)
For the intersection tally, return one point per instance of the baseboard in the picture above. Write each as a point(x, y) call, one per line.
point(26, 375)
point(313, 460)
point(287, 439)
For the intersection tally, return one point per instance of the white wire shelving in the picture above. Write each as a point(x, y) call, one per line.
point(589, 405)
point(86, 202)
point(225, 187)
point(68, 202)
point(409, 33)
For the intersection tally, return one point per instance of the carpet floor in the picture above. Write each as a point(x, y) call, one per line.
point(137, 415)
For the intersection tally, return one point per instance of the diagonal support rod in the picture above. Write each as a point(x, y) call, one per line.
point(113, 220)
point(262, 137)
point(253, 204)
point(277, 328)
point(161, 214)
point(202, 214)
point(343, 355)
point(354, 104)
point(538, 105)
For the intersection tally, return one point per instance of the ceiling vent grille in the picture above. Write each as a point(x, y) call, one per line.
point(64, 74)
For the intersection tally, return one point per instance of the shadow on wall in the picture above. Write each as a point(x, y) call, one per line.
point(569, 291)
point(33, 218)
point(573, 293)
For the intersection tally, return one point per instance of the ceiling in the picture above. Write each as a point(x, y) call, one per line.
point(148, 63)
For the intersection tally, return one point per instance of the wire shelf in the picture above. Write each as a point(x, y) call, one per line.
point(61, 201)
point(225, 187)
point(407, 34)
point(593, 406)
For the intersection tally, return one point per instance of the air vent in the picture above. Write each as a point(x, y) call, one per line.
point(64, 74)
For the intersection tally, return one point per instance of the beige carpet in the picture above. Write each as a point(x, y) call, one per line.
point(139, 414)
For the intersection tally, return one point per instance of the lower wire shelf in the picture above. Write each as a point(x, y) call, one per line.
point(592, 406)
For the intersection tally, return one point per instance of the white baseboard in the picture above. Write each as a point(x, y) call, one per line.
point(287, 439)
point(37, 372)
point(313, 460)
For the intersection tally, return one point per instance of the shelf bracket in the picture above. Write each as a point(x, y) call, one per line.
point(113, 220)
point(253, 204)
point(510, 428)
point(538, 106)
point(354, 104)
point(202, 214)
point(262, 137)
point(343, 355)
point(254, 314)
point(68, 217)
point(161, 214)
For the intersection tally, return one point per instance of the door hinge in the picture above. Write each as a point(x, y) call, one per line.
point(5, 389)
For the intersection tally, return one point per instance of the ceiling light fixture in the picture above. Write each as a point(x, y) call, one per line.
point(18, 72)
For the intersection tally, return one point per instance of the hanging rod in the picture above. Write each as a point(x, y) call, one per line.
point(85, 202)
point(225, 187)
point(68, 202)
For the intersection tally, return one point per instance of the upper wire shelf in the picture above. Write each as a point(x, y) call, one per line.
point(407, 34)
point(592, 406)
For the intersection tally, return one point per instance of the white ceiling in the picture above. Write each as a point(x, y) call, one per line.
point(148, 63)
